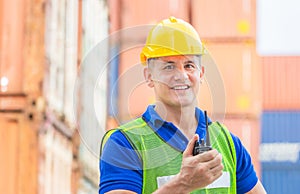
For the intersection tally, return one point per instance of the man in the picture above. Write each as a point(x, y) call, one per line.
point(154, 153)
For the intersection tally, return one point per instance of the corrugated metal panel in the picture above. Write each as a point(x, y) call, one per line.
point(86, 187)
point(248, 130)
point(89, 183)
point(9, 147)
point(131, 83)
point(93, 78)
point(61, 53)
point(136, 12)
point(281, 179)
point(12, 45)
point(55, 53)
point(281, 127)
point(134, 94)
point(280, 151)
point(70, 60)
point(241, 76)
point(281, 88)
point(27, 153)
point(241, 73)
point(93, 93)
point(224, 19)
point(18, 155)
point(34, 48)
point(56, 158)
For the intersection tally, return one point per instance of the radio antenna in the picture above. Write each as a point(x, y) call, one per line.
point(207, 139)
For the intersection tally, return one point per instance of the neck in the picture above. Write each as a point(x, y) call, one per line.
point(183, 118)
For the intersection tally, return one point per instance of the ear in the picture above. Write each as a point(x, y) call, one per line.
point(148, 77)
point(202, 73)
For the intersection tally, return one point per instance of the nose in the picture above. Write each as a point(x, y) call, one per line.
point(181, 74)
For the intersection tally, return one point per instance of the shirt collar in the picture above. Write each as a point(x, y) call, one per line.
point(151, 116)
point(167, 130)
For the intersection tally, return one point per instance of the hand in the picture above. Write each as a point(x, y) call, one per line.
point(201, 170)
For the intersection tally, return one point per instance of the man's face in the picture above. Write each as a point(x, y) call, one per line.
point(175, 79)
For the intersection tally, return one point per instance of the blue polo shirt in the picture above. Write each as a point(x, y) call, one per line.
point(121, 168)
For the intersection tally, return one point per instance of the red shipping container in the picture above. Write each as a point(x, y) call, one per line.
point(12, 45)
point(240, 71)
point(281, 88)
point(18, 154)
point(224, 19)
point(136, 12)
point(238, 67)
point(134, 94)
point(9, 149)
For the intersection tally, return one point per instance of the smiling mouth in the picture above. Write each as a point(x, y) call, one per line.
point(180, 87)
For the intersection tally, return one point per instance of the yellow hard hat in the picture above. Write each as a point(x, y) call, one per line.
point(171, 37)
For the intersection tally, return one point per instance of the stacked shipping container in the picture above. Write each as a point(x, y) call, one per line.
point(280, 149)
point(57, 150)
point(21, 49)
point(228, 30)
point(135, 19)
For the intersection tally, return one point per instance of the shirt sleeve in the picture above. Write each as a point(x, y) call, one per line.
point(246, 177)
point(120, 166)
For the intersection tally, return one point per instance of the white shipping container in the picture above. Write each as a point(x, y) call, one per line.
point(56, 156)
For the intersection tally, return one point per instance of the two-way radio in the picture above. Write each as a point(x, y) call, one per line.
point(203, 146)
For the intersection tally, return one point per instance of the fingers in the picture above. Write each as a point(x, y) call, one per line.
point(217, 161)
point(217, 171)
point(208, 156)
point(212, 162)
point(190, 147)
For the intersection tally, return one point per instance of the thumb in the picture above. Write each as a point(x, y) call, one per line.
point(190, 147)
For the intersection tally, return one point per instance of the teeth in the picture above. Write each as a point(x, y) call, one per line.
point(180, 87)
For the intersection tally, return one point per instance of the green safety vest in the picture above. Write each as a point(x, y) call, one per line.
point(161, 161)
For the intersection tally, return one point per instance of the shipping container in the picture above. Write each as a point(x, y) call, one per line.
point(281, 178)
point(89, 161)
point(227, 19)
point(242, 91)
point(92, 80)
point(55, 161)
point(283, 126)
point(92, 91)
point(9, 147)
point(280, 151)
point(240, 71)
point(232, 82)
point(18, 154)
point(34, 48)
point(281, 88)
point(133, 93)
point(136, 12)
point(249, 132)
point(61, 44)
point(12, 35)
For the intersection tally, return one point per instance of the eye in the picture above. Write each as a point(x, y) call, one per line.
point(190, 66)
point(169, 67)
